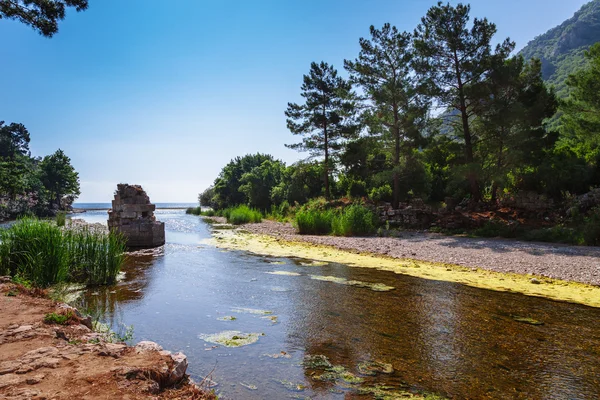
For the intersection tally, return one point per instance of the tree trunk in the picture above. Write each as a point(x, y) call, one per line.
point(475, 194)
point(396, 130)
point(327, 191)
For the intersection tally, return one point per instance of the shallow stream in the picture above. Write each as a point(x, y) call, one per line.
point(457, 341)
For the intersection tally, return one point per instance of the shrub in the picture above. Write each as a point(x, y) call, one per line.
point(44, 254)
point(357, 188)
point(381, 193)
point(355, 220)
point(311, 221)
point(194, 210)
point(243, 215)
point(208, 213)
point(60, 319)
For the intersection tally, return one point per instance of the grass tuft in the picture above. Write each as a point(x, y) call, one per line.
point(243, 215)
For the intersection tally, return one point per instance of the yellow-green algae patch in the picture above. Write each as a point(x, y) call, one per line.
point(231, 338)
point(377, 287)
point(555, 289)
point(254, 311)
point(381, 392)
point(287, 273)
point(227, 318)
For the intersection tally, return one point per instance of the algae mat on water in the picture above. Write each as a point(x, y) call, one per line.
point(550, 288)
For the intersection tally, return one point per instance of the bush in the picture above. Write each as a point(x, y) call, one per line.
point(194, 211)
point(243, 215)
point(208, 213)
point(355, 220)
point(357, 188)
point(312, 221)
point(44, 254)
point(381, 193)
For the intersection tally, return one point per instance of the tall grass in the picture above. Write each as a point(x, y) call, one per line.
point(313, 221)
point(194, 210)
point(355, 220)
point(61, 218)
point(243, 215)
point(44, 254)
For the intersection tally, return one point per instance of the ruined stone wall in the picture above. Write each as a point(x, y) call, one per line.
point(132, 215)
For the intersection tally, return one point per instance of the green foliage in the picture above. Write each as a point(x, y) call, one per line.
point(398, 110)
point(59, 319)
point(41, 15)
point(258, 184)
point(61, 218)
point(325, 118)
point(208, 213)
point(243, 215)
point(355, 220)
point(381, 193)
point(58, 176)
point(227, 185)
point(194, 211)
point(43, 253)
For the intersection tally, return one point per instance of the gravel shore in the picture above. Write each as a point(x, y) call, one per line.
point(571, 263)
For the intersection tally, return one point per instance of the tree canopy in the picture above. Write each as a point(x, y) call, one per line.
point(42, 15)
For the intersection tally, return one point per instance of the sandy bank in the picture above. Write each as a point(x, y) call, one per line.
point(41, 360)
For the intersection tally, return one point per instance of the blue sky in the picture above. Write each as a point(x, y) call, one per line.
point(164, 93)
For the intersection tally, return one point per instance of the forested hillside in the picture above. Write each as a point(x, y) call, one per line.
point(561, 49)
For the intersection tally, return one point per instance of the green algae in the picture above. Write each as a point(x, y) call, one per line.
point(377, 287)
point(526, 320)
point(317, 361)
point(272, 318)
point(338, 373)
point(227, 318)
point(292, 386)
point(313, 263)
point(277, 262)
point(380, 392)
point(249, 386)
point(281, 354)
point(372, 368)
point(231, 338)
point(284, 273)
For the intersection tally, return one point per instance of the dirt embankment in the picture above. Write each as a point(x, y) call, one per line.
point(40, 360)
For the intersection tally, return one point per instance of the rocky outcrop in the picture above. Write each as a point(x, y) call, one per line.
point(132, 215)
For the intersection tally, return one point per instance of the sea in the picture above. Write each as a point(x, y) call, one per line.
point(106, 206)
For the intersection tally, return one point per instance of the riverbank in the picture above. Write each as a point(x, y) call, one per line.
point(42, 359)
point(559, 272)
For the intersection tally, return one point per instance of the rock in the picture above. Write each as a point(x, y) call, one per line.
point(535, 281)
point(132, 215)
point(33, 380)
point(179, 368)
point(114, 350)
point(147, 345)
point(23, 328)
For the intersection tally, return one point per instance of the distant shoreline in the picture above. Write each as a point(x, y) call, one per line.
point(83, 209)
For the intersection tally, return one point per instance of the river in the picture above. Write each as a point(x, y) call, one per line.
point(446, 338)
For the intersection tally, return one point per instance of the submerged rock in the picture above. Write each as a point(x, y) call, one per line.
point(371, 368)
point(526, 320)
point(231, 338)
point(376, 287)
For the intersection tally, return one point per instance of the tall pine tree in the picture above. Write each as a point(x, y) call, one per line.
point(456, 59)
point(397, 107)
point(326, 117)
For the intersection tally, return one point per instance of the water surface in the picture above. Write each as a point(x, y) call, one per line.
point(446, 338)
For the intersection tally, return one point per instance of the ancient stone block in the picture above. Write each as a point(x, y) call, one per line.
point(132, 216)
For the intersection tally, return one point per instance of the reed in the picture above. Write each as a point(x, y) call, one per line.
point(43, 253)
point(243, 215)
point(194, 211)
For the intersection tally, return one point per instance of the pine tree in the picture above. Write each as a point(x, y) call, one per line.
point(41, 15)
point(456, 59)
point(397, 107)
point(326, 117)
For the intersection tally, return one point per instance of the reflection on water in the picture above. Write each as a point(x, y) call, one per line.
point(454, 340)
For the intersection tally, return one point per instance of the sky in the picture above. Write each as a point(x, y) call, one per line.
point(165, 93)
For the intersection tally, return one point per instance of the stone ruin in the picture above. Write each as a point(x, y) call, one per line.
point(132, 215)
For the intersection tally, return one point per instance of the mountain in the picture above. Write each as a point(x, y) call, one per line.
point(561, 49)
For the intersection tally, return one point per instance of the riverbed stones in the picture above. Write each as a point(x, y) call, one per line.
point(132, 215)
